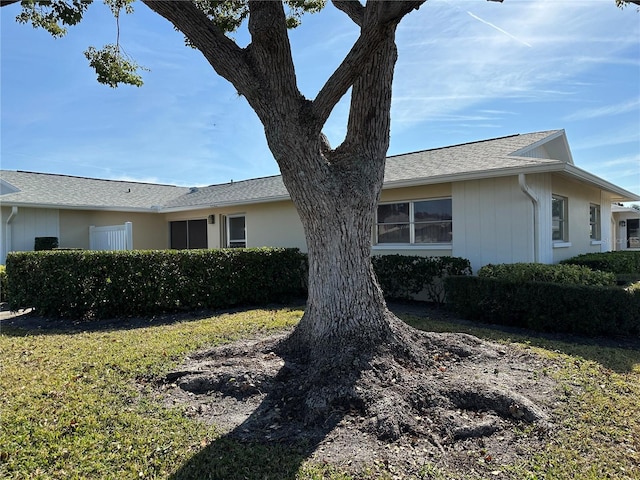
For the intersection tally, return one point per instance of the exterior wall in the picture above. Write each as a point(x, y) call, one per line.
point(580, 196)
point(492, 222)
point(29, 223)
point(150, 231)
point(274, 224)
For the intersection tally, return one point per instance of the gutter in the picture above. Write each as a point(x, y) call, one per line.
point(522, 181)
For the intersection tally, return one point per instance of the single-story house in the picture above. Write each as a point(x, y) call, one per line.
point(518, 198)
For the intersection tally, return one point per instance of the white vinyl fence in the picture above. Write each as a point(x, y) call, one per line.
point(113, 237)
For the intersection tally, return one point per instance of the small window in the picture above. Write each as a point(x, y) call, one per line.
point(559, 219)
point(594, 222)
point(420, 222)
point(237, 232)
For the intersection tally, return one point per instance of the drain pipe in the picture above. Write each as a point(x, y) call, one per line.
point(522, 181)
point(8, 236)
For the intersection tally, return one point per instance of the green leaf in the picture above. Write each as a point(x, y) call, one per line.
point(113, 67)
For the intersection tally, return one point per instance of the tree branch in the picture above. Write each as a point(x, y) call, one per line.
point(270, 50)
point(226, 58)
point(377, 14)
point(353, 8)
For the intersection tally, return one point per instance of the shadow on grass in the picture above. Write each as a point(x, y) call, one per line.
point(285, 429)
point(621, 355)
point(27, 322)
point(228, 459)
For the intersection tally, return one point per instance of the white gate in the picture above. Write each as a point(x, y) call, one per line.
point(113, 237)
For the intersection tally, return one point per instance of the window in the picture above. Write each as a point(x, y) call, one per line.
point(237, 232)
point(188, 234)
point(420, 222)
point(594, 222)
point(559, 219)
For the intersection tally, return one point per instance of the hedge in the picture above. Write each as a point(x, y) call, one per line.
point(538, 272)
point(619, 262)
point(3, 283)
point(551, 307)
point(99, 284)
point(402, 276)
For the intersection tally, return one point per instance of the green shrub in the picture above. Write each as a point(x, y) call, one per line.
point(3, 283)
point(552, 307)
point(403, 276)
point(92, 284)
point(615, 262)
point(45, 243)
point(538, 272)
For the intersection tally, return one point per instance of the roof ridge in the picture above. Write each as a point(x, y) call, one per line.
point(233, 182)
point(93, 178)
point(469, 143)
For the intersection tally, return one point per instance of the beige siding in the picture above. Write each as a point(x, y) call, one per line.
point(150, 231)
point(274, 224)
point(492, 222)
point(580, 197)
point(416, 193)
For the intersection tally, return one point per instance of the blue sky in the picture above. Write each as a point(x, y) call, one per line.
point(467, 70)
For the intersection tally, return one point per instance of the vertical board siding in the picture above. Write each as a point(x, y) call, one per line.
point(493, 222)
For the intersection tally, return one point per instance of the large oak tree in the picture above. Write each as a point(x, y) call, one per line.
point(335, 188)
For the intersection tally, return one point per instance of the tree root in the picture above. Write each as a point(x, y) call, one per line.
point(444, 388)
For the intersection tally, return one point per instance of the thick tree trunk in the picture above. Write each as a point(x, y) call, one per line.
point(336, 193)
point(345, 306)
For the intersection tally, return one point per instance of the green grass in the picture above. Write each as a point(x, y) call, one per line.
point(71, 406)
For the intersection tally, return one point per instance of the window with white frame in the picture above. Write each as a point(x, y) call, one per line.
point(414, 222)
point(559, 219)
point(236, 231)
point(594, 222)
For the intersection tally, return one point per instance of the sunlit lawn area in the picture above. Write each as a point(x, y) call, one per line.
point(72, 407)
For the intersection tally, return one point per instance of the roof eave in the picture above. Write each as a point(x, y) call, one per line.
point(54, 206)
point(620, 194)
point(477, 175)
point(238, 203)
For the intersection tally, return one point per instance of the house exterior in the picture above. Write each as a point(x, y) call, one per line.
point(511, 199)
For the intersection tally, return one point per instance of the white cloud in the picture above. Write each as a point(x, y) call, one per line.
point(606, 111)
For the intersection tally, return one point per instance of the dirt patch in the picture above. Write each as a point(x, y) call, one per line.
point(475, 406)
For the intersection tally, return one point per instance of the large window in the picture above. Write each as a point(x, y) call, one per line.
point(559, 219)
point(594, 222)
point(236, 231)
point(188, 234)
point(419, 222)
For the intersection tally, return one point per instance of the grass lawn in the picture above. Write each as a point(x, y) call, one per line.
point(71, 407)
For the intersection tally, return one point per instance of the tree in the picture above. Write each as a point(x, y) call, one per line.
point(335, 189)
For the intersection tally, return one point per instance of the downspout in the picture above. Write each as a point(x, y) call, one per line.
point(8, 236)
point(522, 181)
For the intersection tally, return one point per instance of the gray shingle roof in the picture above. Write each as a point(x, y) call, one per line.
point(429, 166)
point(42, 189)
point(483, 156)
point(245, 191)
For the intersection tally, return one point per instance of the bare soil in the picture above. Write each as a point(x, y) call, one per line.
point(470, 407)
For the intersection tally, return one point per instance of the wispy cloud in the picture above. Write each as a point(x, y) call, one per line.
point(606, 111)
point(498, 29)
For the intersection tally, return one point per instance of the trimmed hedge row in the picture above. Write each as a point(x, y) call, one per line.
point(552, 307)
point(401, 276)
point(92, 284)
point(538, 272)
point(615, 262)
